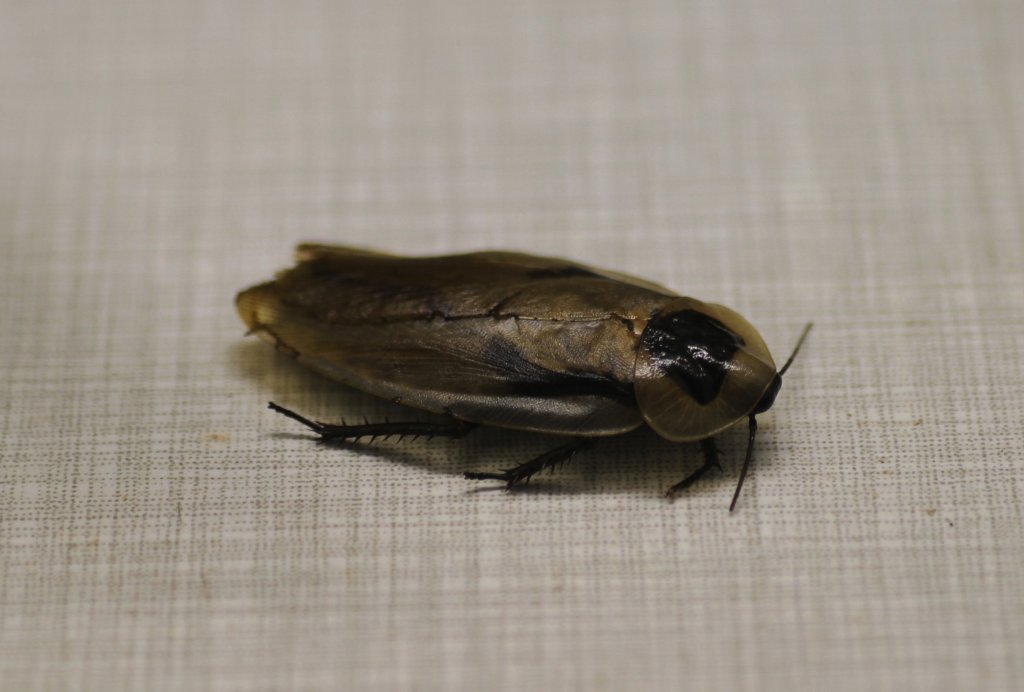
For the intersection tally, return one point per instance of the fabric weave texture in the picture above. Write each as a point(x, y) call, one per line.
point(855, 163)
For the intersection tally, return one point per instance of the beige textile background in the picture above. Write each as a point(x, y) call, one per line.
point(857, 163)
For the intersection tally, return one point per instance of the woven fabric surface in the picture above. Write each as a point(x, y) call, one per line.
point(855, 163)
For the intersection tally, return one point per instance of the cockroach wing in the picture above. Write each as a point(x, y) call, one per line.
point(493, 338)
point(348, 285)
point(700, 368)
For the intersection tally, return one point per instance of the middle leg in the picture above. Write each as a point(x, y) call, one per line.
point(523, 472)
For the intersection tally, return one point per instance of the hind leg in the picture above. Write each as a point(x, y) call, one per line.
point(523, 472)
point(329, 432)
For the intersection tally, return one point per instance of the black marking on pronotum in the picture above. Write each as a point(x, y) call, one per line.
point(604, 353)
point(694, 349)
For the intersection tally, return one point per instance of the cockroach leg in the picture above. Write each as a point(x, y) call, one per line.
point(523, 472)
point(707, 446)
point(331, 432)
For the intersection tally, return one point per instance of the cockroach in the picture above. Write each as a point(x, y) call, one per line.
point(517, 341)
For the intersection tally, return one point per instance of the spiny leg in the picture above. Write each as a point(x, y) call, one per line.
point(329, 432)
point(523, 472)
point(707, 446)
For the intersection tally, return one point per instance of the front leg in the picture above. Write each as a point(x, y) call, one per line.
point(707, 446)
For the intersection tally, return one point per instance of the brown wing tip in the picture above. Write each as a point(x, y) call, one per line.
point(257, 305)
point(306, 252)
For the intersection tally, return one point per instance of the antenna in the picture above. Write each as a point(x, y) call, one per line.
point(796, 350)
point(746, 463)
point(752, 427)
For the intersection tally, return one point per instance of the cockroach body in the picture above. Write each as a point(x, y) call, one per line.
point(517, 341)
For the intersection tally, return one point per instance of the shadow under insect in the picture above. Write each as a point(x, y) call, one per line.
point(635, 462)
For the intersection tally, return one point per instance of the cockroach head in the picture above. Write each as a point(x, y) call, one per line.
point(768, 398)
